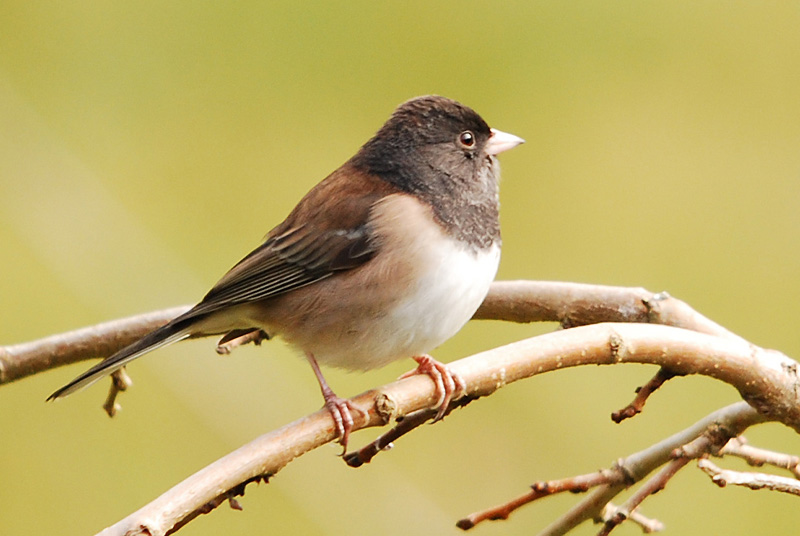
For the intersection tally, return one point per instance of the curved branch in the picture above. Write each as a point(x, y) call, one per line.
point(21, 360)
point(570, 304)
point(758, 375)
point(766, 379)
point(580, 304)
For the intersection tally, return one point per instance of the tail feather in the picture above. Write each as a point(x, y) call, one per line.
point(172, 332)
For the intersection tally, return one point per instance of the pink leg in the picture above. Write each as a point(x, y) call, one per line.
point(447, 383)
point(339, 408)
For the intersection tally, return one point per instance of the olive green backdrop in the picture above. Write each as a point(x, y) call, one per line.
point(146, 146)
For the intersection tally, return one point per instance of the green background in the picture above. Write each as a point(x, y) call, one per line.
point(146, 146)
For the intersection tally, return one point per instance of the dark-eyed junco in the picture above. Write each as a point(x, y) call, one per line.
point(386, 258)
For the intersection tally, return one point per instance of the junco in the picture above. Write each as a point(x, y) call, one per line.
point(386, 258)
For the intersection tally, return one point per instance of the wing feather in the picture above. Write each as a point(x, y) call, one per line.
point(328, 232)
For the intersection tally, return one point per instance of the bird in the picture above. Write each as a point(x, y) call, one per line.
point(386, 258)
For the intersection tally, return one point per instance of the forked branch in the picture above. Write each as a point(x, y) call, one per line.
point(707, 435)
point(767, 380)
point(681, 350)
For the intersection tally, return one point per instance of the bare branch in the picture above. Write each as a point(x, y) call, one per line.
point(575, 484)
point(21, 360)
point(648, 525)
point(733, 419)
point(642, 394)
point(655, 484)
point(571, 304)
point(723, 477)
point(766, 379)
point(683, 351)
point(120, 381)
point(705, 436)
point(713, 439)
point(579, 304)
point(404, 425)
point(757, 457)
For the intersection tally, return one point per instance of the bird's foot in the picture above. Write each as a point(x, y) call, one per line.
point(341, 411)
point(448, 383)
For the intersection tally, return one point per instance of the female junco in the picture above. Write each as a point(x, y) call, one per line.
point(386, 258)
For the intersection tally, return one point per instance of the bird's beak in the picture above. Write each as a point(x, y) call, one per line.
point(501, 141)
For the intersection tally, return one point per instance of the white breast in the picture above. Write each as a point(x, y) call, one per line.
point(453, 287)
point(432, 285)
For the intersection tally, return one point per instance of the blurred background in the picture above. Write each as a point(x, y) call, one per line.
point(145, 147)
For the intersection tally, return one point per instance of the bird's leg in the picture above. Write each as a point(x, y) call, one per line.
point(339, 408)
point(447, 382)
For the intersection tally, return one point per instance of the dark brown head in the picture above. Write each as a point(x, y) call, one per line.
point(443, 152)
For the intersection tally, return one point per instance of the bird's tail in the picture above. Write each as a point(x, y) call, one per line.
point(174, 331)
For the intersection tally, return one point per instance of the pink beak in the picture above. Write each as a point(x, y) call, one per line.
point(501, 141)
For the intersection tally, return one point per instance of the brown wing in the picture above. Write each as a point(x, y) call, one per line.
point(327, 232)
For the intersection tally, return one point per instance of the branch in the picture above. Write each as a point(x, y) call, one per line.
point(648, 525)
point(654, 485)
point(608, 483)
point(570, 304)
point(642, 394)
point(757, 457)
point(576, 484)
point(120, 381)
point(579, 304)
point(405, 424)
point(712, 439)
point(22, 360)
point(723, 477)
point(766, 379)
point(759, 375)
point(735, 418)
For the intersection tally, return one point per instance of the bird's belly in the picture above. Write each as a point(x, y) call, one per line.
point(448, 291)
point(444, 301)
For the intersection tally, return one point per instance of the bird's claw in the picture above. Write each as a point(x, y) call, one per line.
point(448, 384)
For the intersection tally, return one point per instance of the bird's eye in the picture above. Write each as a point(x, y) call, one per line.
point(466, 139)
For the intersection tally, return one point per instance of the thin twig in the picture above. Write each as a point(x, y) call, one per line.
point(697, 441)
point(575, 484)
point(755, 481)
point(654, 485)
point(647, 524)
point(758, 457)
point(120, 381)
point(735, 418)
point(642, 393)
point(229, 496)
point(404, 425)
